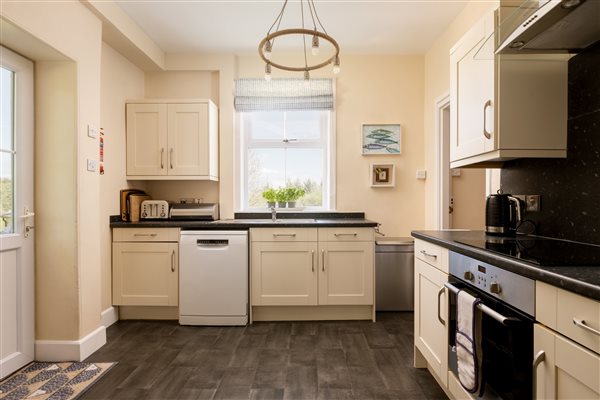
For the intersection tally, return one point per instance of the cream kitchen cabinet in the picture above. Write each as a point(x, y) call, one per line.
point(293, 266)
point(172, 140)
point(430, 328)
point(504, 107)
point(145, 266)
point(566, 345)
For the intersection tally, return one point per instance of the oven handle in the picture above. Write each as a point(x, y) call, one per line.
point(483, 308)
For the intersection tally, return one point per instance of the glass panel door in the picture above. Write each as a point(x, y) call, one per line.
point(7, 152)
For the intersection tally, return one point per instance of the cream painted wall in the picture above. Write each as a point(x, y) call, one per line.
point(437, 83)
point(374, 89)
point(120, 80)
point(71, 29)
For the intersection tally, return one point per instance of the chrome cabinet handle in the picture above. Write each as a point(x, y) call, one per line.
point(284, 235)
point(145, 234)
point(440, 293)
point(426, 254)
point(171, 158)
point(487, 134)
point(345, 234)
point(312, 257)
point(581, 323)
point(173, 261)
point(162, 158)
point(323, 260)
point(539, 358)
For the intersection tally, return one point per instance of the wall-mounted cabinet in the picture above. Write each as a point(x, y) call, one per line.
point(502, 106)
point(170, 140)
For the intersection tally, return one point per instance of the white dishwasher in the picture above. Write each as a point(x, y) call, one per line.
point(213, 278)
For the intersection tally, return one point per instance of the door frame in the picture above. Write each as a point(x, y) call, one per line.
point(443, 184)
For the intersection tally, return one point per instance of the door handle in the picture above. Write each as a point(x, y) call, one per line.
point(173, 261)
point(488, 135)
point(439, 301)
point(162, 158)
point(312, 257)
point(171, 158)
point(323, 260)
point(539, 358)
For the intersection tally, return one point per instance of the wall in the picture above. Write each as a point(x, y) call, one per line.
point(374, 89)
point(120, 81)
point(570, 188)
point(437, 84)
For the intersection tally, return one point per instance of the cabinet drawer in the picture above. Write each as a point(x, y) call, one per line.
point(346, 234)
point(283, 234)
point(145, 234)
point(432, 254)
point(571, 307)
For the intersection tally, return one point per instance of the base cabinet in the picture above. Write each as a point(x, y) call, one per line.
point(145, 273)
point(431, 331)
point(568, 370)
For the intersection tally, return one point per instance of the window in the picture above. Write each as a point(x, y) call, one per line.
point(286, 136)
point(7, 152)
point(286, 148)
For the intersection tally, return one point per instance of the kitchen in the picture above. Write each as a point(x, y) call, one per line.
point(101, 94)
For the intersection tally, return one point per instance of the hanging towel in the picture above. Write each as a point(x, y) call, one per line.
point(467, 331)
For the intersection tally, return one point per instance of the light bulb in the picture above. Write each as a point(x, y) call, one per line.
point(268, 48)
point(336, 65)
point(268, 72)
point(315, 45)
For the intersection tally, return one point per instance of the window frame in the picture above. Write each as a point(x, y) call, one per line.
point(326, 142)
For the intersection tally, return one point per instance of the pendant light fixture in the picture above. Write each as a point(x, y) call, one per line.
point(267, 44)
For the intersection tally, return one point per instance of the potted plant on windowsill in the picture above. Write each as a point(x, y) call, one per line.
point(281, 196)
point(270, 196)
point(293, 194)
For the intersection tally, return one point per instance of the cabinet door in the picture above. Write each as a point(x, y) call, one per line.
point(284, 273)
point(146, 139)
point(472, 93)
point(431, 335)
point(346, 273)
point(188, 139)
point(145, 274)
point(569, 371)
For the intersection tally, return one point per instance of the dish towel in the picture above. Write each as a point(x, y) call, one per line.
point(467, 343)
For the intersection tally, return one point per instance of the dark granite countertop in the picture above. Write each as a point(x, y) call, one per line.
point(257, 220)
point(584, 280)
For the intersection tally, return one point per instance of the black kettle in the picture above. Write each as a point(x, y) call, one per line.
point(502, 214)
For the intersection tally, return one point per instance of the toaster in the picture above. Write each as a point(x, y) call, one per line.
point(154, 209)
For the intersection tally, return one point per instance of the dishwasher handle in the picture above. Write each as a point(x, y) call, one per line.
point(212, 242)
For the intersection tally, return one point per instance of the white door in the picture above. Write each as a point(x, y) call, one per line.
point(16, 213)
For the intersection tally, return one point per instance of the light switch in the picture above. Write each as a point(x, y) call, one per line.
point(92, 131)
point(421, 174)
point(91, 165)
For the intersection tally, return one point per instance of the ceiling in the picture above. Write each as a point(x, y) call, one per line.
point(237, 26)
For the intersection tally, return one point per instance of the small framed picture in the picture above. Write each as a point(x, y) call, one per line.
point(381, 139)
point(383, 175)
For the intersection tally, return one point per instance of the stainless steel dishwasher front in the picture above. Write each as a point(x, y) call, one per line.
point(394, 271)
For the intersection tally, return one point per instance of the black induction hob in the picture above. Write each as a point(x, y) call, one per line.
point(539, 250)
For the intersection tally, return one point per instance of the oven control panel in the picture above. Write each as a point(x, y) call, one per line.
point(507, 286)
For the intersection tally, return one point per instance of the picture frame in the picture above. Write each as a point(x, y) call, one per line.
point(381, 139)
point(382, 175)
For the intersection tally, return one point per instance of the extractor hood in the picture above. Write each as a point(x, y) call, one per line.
point(553, 26)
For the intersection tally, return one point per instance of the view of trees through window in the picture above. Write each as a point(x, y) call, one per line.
point(286, 150)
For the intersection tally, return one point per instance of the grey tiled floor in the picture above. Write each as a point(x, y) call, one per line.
point(266, 360)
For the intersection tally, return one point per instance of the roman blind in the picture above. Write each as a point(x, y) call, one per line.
point(283, 95)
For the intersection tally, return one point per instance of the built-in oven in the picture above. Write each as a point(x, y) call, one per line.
point(506, 313)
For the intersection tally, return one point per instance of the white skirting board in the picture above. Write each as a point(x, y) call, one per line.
point(109, 316)
point(70, 350)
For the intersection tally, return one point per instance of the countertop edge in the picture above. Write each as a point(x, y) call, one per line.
point(548, 275)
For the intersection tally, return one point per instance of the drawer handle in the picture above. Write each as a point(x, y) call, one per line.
point(581, 323)
point(426, 254)
point(284, 235)
point(173, 261)
point(345, 234)
point(146, 234)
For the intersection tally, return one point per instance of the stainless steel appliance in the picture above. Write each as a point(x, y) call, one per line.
point(549, 26)
point(195, 211)
point(213, 278)
point(155, 209)
point(507, 318)
point(502, 214)
point(394, 272)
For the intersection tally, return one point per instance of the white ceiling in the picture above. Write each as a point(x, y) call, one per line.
point(237, 26)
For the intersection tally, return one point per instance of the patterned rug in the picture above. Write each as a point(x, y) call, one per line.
point(52, 381)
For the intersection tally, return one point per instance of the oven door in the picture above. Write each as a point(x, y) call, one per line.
point(507, 347)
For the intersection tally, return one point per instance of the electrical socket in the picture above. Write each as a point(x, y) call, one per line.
point(532, 203)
